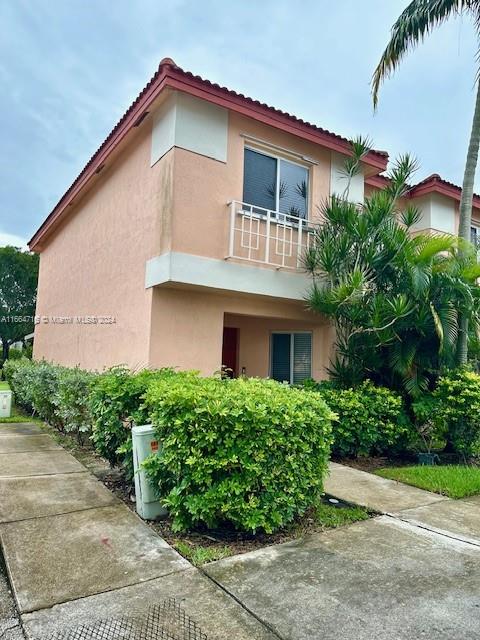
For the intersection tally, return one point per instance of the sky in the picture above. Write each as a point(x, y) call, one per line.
point(70, 68)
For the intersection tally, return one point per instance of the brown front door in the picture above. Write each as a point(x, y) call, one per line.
point(230, 351)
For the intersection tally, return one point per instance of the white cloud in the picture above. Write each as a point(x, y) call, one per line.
point(314, 59)
point(13, 240)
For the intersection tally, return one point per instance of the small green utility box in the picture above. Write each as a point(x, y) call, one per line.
point(144, 443)
point(5, 404)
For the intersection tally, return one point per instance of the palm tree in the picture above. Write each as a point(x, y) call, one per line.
point(416, 21)
point(393, 297)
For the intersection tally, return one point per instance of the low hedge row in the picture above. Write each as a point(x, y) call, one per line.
point(116, 404)
point(455, 411)
point(248, 451)
point(58, 395)
point(371, 420)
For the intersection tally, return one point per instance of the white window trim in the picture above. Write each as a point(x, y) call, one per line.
point(272, 154)
point(286, 154)
point(292, 350)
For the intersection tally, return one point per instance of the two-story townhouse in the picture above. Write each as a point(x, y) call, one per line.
point(187, 228)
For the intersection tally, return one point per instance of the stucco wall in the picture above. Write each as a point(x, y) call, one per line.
point(254, 343)
point(95, 265)
point(203, 186)
point(187, 329)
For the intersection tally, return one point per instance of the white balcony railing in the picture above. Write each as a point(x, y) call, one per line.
point(268, 237)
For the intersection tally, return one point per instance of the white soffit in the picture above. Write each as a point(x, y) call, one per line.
point(338, 180)
point(184, 268)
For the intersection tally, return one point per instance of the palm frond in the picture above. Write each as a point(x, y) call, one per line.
point(415, 22)
point(431, 246)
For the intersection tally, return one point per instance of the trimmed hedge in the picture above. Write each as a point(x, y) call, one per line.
point(72, 407)
point(116, 404)
point(58, 395)
point(458, 410)
point(19, 374)
point(249, 452)
point(371, 420)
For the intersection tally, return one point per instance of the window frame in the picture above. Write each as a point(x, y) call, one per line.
point(477, 231)
point(292, 352)
point(271, 154)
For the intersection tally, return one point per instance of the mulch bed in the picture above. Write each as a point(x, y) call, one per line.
point(238, 542)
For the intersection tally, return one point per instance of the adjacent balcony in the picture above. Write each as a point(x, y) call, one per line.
point(266, 237)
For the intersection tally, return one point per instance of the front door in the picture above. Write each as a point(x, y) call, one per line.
point(230, 351)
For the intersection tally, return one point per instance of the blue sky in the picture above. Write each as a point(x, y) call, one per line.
point(69, 69)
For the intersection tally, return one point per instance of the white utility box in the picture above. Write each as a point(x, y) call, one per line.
point(144, 444)
point(5, 404)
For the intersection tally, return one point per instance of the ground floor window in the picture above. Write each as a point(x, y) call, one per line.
point(291, 357)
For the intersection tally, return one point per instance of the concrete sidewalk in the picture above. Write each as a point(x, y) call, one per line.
point(75, 553)
point(376, 493)
point(458, 519)
point(413, 572)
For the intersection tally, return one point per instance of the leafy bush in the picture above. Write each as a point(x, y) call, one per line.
point(115, 403)
point(19, 374)
point(249, 452)
point(72, 408)
point(429, 429)
point(41, 386)
point(458, 395)
point(370, 420)
point(16, 354)
point(58, 395)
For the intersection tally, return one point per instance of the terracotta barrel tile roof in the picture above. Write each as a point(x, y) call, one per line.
point(170, 75)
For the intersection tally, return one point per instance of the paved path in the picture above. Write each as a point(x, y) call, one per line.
point(413, 572)
point(75, 553)
point(458, 519)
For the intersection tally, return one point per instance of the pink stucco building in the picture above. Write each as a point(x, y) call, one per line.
point(180, 242)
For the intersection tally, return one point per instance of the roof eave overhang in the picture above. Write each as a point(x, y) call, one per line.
point(174, 78)
point(447, 190)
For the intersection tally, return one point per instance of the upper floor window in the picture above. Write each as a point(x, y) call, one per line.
point(274, 183)
point(475, 235)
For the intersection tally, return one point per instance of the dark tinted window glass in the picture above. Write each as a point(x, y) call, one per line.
point(302, 359)
point(293, 189)
point(281, 356)
point(259, 180)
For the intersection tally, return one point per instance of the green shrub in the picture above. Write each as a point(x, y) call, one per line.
point(430, 431)
point(458, 396)
point(249, 452)
point(115, 403)
point(72, 407)
point(9, 368)
point(370, 421)
point(19, 374)
point(14, 353)
point(43, 383)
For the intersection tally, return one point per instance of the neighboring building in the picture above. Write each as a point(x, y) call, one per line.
point(187, 227)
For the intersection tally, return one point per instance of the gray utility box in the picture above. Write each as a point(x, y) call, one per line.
point(144, 444)
point(5, 404)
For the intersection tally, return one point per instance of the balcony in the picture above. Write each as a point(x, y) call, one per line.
point(267, 237)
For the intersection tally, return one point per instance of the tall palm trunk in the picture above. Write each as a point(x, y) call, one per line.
point(465, 221)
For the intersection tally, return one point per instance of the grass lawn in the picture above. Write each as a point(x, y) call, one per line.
point(4, 386)
point(454, 481)
point(198, 555)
